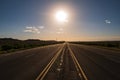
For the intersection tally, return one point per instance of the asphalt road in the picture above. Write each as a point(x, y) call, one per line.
point(98, 63)
point(61, 62)
point(27, 64)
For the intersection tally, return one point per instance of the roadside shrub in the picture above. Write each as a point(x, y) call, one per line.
point(6, 47)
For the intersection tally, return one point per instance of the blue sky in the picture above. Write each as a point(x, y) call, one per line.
point(88, 20)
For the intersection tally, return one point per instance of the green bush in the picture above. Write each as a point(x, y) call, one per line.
point(6, 47)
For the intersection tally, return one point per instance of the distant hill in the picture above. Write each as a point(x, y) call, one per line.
point(9, 43)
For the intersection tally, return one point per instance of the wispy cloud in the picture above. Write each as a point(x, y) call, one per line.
point(107, 21)
point(61, 29)
point(27, 30)
point(29, 27)
point(33, 29)
point(59, 32)
point(41, 27)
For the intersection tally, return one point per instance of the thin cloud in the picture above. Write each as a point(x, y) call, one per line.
point(41, 27)
point(107, 21)
point(60, 32)
point(28, 27)
point(27, 30)
point(32, 29)
point(61, 29)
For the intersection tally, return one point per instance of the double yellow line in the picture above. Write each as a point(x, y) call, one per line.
point(77, 65)
point(46, 69)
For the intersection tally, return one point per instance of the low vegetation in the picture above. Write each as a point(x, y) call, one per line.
point(9, 44)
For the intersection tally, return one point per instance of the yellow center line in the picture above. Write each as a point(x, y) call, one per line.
point(46, 69)
point(76, 61)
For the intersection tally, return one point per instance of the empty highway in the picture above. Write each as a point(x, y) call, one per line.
point(61, 62)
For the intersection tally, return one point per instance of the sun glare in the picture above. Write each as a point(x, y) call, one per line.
point(61, 16)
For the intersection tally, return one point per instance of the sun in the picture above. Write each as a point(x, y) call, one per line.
point(61, 16)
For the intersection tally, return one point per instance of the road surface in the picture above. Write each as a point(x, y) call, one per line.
point(61, 62)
